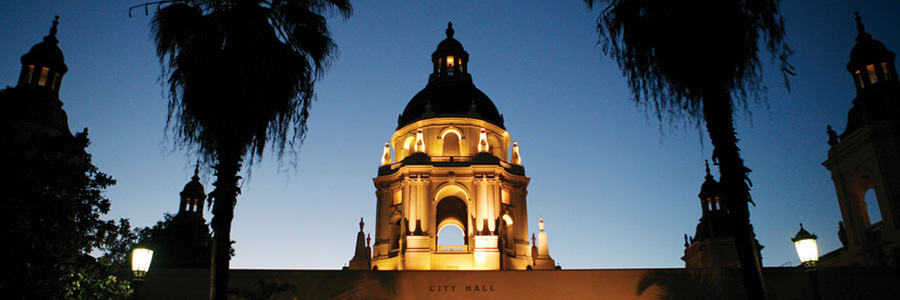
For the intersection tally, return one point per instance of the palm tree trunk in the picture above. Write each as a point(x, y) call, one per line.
point(718, 114)
point(224, 198)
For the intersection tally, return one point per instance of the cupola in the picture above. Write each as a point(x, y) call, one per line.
point(710, 193)
point(450, 59)
point(450, 91)
point(871, 63)
point(44, 66)
point(193, 195)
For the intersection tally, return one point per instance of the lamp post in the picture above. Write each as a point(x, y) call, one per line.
point(140, 264)
point(808, 251)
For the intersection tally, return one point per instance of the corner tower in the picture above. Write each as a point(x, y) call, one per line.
point(450, 197)
point(712, 245)
point(864, 160)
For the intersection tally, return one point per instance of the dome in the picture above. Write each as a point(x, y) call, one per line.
point(450, 91)
point(710, 187)
point(450, 98)
point(194, 189)
point(47, 53)
point(868, 51)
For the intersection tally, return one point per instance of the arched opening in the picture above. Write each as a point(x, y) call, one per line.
point(872, 208)
point(506, 231)
point(451, 144)
point(451, 213)
point(451, 234)
point(395, 235)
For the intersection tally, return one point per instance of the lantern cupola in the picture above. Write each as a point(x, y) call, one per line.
point(193, 195)
point(871, 63)
point(43, 66)
point(450, 59)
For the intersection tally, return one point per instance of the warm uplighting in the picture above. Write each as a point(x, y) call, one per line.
point(806, 246)
point(450, 61)
point(140, 261)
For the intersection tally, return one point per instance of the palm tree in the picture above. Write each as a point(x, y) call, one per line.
point(240, 75)
point(687, 59)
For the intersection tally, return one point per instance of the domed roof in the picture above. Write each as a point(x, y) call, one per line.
point(450, 98)
point(867, 50)
point(450, 91)
point(47, 53)
point(710, 187)
point(449, 44)
point(194, 189)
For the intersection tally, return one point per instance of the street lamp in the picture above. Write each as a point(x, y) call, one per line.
point(808, 251)
point(140, 264)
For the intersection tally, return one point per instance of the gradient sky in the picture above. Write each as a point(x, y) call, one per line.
point(615, 190)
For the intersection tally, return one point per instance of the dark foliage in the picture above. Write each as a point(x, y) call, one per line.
point(699, 60)
point(50, 217)
point(180, 241)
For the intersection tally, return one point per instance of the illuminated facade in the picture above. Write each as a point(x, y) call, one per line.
point(864, 160)
point(451, 170)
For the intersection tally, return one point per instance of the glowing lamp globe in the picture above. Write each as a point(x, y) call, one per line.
point(140, 261)
point(806, 246)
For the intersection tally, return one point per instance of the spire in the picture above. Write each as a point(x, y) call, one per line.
point(196, 171)
point(362, 255)
point(863, 35)
point(708, 175)
point(51, 38)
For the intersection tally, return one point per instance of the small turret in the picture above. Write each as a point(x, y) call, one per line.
point(362, 257)
point(44, 66)
point(193, 195)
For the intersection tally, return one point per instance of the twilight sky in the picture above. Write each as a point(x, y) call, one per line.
point(615, 190)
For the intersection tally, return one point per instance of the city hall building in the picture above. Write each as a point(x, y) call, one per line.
point(451, 165)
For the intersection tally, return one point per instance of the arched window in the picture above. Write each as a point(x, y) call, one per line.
point(872, 208)
point(451, 144)
point(395, 235)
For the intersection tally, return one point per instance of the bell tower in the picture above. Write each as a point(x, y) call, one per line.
point(712, 245)
point(192, 196)
point(864, 160)
point(451, 197)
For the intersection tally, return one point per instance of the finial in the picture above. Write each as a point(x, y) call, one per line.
point(449, 30)
point(361, 223)
point(541, 224)
point(706, 161)
point(533, 242)
point(368, 240)
point(53, 28)
point(801, 226)
point(196, 171)
point(51, 38)
point(861, 28)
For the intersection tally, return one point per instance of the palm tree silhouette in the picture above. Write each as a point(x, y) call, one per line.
point(687, 59)
point(240, 75)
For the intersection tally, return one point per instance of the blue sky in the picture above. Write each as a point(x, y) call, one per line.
point(615, 190)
